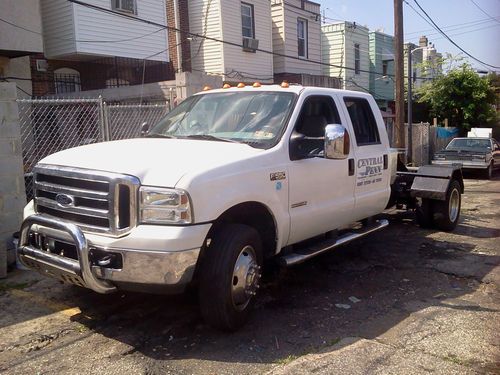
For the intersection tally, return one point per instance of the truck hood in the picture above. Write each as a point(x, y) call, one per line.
point(157, 162)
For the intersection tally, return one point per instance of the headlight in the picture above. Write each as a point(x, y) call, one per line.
point(439, 157)
point(479, 157)
point(164, 206)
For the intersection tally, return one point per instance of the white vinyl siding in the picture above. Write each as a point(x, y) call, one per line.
point(338, 41)
point(204, 19)
point(72, 21)
point(58, 28)
point(223, 21)
point(241, 65)
point(285, 15)
point(278, 22)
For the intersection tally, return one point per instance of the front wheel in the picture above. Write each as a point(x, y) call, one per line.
point(230, 276)
point(447, 212)
point(488, 173)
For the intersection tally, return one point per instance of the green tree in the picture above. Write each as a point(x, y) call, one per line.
point(462, 96)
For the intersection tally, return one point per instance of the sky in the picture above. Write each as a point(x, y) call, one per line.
point(477, 32)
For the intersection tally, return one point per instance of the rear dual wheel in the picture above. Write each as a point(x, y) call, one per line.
point(442, 215)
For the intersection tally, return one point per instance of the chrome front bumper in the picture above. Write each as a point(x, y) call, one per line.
point(464, 163)
point(139, 269)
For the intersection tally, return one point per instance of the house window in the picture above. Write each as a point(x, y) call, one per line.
point(302, 37)
point(116, 82)
point(247, 21)
point(385, 65)
point(66, 80)
point(126, 6)
point(357, 59)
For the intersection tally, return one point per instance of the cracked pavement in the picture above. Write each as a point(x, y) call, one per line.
point(425, 301)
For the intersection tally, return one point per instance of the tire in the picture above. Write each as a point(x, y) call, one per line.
point(447, 212)
point(424, 213)
point(227, 296)
point(488, 173)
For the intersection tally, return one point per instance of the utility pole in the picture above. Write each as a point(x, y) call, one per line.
point(410, 113)
point(399, 140)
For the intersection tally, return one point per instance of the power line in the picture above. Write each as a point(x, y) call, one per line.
point(453, 26)
point(138, 19)
point(482, 10)
point(451, 40)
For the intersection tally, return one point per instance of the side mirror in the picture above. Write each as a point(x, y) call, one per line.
point(336, 142)
point(144, 129)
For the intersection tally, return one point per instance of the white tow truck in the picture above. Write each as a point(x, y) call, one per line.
point(229, 178)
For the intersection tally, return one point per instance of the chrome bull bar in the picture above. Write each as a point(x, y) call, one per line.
point(82, 268)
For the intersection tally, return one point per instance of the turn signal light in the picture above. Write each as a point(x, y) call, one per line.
point(226, 86)
point(240, 85)
point(285, 84)
point(256, 84)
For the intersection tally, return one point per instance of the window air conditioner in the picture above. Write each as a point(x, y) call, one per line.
point(250, 45)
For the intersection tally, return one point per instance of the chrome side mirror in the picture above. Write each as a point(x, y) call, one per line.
point(144, 129)
point(336, 142)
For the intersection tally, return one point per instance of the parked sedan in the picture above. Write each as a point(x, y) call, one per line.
point(472, 153)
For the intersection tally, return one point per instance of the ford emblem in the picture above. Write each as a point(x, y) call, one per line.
point(65, 200)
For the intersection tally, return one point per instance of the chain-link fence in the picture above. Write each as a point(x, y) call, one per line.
point(125, 119)
point(51, 125)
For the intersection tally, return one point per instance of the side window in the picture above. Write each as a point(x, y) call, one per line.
point(363, 121)
point(317, 112)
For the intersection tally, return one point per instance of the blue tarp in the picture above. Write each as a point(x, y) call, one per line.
point(447, 132)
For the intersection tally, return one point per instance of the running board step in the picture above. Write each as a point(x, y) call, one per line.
point(314, 250)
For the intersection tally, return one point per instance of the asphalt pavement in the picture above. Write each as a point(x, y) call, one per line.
point(403, 300)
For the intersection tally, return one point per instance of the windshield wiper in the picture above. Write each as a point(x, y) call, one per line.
point(159, 136)
point(209, 137)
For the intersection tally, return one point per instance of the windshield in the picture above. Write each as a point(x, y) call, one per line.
point(469, 144)
point(256, 118)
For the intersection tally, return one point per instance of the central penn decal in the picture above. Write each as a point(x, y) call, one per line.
point(370, 166)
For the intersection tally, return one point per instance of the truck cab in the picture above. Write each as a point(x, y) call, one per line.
point(227, 179)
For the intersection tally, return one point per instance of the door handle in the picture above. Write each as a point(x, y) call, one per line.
point(351, 167)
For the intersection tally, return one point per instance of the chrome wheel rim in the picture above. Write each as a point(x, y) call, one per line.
point(246, 276)
point(454, 205)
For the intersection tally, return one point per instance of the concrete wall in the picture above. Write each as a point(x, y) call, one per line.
point(18, 67)
point(27, 14)
point(12, 192)
point(189, 83)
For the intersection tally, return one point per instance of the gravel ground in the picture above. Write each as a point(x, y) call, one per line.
point(403, 300)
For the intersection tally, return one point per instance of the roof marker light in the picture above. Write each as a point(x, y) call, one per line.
point(206, 88)
point(285, 84)
point(226, 86)
point(240, 85)
point(256, 84)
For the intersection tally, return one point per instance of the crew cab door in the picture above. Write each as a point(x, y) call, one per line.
point(372, 175)
point(321, 190)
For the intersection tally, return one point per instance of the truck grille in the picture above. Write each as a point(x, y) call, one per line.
point(98, 202)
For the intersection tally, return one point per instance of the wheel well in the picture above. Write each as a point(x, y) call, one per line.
point(253, 214)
